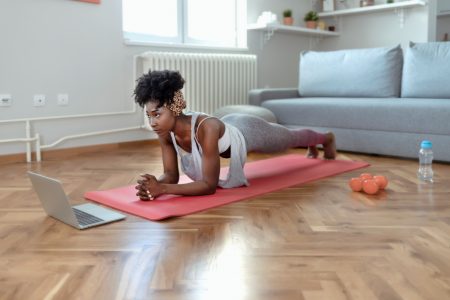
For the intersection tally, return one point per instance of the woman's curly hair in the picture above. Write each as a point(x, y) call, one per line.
point(158, 86)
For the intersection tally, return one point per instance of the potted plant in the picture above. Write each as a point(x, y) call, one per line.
point(311, 19)
point(287, 17)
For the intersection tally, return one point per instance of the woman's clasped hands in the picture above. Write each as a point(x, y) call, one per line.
point(148, 187)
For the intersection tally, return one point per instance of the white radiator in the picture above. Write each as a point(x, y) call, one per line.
point(212, 80)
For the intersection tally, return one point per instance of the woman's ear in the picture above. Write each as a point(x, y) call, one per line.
point(165, 107)
point(171, 112)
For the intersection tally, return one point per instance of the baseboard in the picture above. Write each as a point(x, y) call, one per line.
point(70, 152)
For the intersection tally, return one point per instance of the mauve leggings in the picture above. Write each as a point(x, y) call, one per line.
point(262, 136)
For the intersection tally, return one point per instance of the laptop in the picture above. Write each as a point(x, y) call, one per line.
point(56, 204)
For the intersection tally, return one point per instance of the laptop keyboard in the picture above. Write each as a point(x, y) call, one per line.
point(84, 218)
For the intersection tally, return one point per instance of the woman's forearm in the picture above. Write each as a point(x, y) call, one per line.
point(168, 178)
point(196, 188)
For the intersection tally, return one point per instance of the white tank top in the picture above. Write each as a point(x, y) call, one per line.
point(224, 141)
point(191, 163)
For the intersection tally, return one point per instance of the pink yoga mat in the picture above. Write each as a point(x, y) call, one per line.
point(264, 176)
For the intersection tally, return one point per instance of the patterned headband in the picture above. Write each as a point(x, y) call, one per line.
point(178, 103)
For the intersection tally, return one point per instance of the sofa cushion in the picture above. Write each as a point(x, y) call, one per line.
point(253, 110)
point(426, 71)
point(372, 72)
point(412, 115)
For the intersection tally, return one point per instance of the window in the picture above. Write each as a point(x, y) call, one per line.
point(220, 23)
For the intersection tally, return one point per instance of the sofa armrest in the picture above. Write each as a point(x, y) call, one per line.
point(258, 96)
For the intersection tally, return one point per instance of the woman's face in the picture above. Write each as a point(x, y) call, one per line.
point(161, 119)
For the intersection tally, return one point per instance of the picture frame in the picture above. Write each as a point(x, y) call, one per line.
point(328, 5)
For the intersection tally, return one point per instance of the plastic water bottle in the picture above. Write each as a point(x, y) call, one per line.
point(425, 172)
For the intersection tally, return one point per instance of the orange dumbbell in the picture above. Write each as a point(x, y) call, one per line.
point(368, 183)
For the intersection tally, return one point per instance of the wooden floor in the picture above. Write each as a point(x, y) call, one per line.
point(314, 241)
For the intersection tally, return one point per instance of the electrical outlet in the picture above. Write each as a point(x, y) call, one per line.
point(63, 99)
point(5, 100)
point(38, 100)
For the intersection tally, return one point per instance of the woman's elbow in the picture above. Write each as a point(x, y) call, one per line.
point(173, 178)
point(211, 189)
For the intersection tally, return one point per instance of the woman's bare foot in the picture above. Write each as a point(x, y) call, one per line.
point(312, 152)
point(329, 147)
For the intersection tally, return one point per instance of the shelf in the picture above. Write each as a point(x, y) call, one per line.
point(443, 14)
point(373, 8)
point(269, 30)
point(293, 29)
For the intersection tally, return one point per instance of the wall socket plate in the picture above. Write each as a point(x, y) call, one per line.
point(63, 99)
point(38, 100)
point(5, 100)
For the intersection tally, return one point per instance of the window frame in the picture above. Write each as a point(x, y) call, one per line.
point(183, 41)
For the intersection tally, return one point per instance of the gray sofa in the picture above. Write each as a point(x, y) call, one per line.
point(376, 101)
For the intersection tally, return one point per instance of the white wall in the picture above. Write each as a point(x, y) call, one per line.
point(380, 29)
point(443, 22)
point(278, 57)
point(443, 27)
point(64, 46)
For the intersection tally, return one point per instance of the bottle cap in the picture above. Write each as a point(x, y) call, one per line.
point(426, 145)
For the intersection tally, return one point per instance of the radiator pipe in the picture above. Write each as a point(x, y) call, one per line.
point(28, 135)
point(90, 134)
point(38, 147)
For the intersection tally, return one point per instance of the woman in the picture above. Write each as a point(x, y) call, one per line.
point(200, 140)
